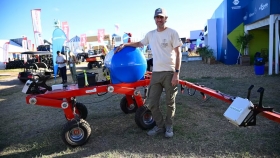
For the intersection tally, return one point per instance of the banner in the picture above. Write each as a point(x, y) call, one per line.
point(24, 46)
point(24, 43)
point(100, 35)
point(5, 51)
point(58, 40)
point(65, 28)
point(38, 39)
point(29, 45)
point(36, 21)
point(83, 40)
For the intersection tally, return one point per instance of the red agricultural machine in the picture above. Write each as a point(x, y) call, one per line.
point(76, 131)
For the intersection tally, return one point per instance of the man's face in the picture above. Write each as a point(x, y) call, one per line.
point(160, 20)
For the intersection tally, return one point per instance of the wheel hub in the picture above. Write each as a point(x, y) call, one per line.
point(76, 134)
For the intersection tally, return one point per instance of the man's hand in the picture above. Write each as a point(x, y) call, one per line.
point(175, 79)
point(119, 48)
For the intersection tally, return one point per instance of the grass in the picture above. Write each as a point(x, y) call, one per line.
point(200, 128)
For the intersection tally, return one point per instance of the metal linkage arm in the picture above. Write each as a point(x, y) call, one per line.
point(204, 90)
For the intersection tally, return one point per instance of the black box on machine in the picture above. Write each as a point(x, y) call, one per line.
point(91, 78)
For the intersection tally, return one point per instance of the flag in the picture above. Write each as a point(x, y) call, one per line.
point(58, 39)
point(24, 46)
point(117, 28)
point(29, 44)
point(65, 28)
point(83, 40)
point(5, 51)
point(100, 35)
point(37, 28)
point(24, 43)
point(126, 37)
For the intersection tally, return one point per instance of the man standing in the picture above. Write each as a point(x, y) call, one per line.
point(165, 45)
point(61, 61)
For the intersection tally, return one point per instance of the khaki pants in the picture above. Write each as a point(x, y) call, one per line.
point(159, 81)
point(73, 72)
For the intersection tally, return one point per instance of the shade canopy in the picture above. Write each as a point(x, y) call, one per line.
point(37, 53)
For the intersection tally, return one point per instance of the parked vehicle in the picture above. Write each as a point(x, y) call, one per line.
point(41, 66)
point(82, 56)
point(95, 59)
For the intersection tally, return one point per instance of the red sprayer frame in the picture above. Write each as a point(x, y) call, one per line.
point(56, 98)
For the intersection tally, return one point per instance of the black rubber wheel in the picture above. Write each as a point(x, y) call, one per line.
point(99, 64)
point(144, 118)
point(89, 65)
point(23, 80)
point(128, 108)
point(81, 110)
point(76, 132)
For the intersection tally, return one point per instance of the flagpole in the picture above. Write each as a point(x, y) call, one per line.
point(34, 31)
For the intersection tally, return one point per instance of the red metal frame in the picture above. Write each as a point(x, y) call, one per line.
point(57, 97)
point(91, 59)
point(272, 115)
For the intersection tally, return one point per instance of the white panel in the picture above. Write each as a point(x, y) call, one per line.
point(257, 24)
point(270, 57)
point(277, 46)
point(195, 34)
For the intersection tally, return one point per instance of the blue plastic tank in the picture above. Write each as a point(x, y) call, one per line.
point(127, 66)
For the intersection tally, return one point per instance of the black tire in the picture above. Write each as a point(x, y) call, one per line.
point(23, 80)
point(76, 132)
point(89, 65)
point(82, 110)
point(99, 64)
point(128, 108)
point(144, 118)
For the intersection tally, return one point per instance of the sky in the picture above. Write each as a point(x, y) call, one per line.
point(87, 16)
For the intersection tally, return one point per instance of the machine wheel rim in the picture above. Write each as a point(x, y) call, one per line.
point(148, 118)
point(76, 134)
point(130, 107)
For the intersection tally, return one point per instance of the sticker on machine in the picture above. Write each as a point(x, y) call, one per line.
point(91, 90)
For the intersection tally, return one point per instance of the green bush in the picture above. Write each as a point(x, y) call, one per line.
point(206, 52)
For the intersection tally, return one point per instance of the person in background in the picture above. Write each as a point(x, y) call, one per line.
point(165, 45)
point(189, 51)
point(61, 61)
point(149, 64)
point(72, 66)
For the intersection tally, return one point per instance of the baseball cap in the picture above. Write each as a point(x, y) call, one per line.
point(160, 12)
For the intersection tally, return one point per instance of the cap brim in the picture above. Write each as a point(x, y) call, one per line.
point(161, 15)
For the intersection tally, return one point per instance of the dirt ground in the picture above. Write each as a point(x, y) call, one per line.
point(200, 128)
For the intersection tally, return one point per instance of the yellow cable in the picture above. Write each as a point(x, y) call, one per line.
point(86, 81)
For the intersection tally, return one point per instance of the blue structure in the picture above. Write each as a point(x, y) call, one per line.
point(58, 39)
point(236, 17)
point(127, 66)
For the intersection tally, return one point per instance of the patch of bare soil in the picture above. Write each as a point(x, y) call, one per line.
point(200, 129)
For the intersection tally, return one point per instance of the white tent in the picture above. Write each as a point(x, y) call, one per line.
point(2, 47)
point(74, 45)
point(273, 22)
point(15, 48)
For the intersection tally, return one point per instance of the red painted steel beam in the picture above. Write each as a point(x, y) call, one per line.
point(205, 90)
point(271, 115)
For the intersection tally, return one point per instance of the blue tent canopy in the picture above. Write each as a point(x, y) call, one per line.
point(75, 39)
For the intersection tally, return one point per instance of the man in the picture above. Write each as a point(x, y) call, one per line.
point(61, 61)
point(165, 45)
